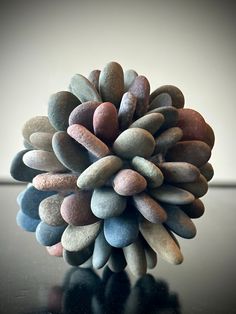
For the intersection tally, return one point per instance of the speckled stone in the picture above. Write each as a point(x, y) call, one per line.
point(42, 140)
point(79, 257)
point(31, 199)
point(49, 235)
point(170, 114)
point(141, 90)
point(70, 153)
point(26, 222)
point(93, 77)
point(135, 258)
point(49, 210)
point(161, 242)
point(105, 122)
point(126, 110)
point(55, 250)
point(87, 139)
point(149, 208)
point(117, 261)
point(129, 78)
point(172, 195)
point(207, 171)
point(177, 97)
point(128, 182)
point(42, 160)
point(179, 222)
point(101, 252)
point(122, 230)
point(99, 172)
point(60, 106)
point(194, 152)
point(19, 171)
point(150, 122)
point(149, 171)
point(107, 203)
point(198, 188)
point(83, 89)
point(55, 182)
point(76, 238)
point(178, 172)
point(111, 83)
point(83, 114)
point(167, 139)
point(134, 142)
point(37, 124)
point(75, 209)
point(195, 209)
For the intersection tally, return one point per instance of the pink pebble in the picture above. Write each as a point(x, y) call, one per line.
point(55, 250)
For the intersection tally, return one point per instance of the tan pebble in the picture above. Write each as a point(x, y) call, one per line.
point(55, 182)
point(42, 140)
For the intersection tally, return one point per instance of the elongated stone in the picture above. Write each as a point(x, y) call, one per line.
point(149, 208)
point(179, 222)
point(70, 153)
point(198, 188)
point(99, 172)
point(42, 141)
point(42, 160)
point(93, 77)
point(101, 252)
point(55, 182)
point(117, 261)
point(49, 235)
point(36, 124)
point(141, 90)
point(128, 182)
point(170, 114)
point(126, 110)
point(75, 209)
point(76, 238)
point(26, 222)
point(195, 209)
point(78, 257)
point(151, 256)
point(129, 78)
point(193, 152)
point(83, 114)
point(105, 122)
point(178, 172)
point(149, 171)
point(111, 83)
point(167, 139)
point(135, 258)
point(83, 89)
point(55, 250)
point(161, 242)
point(60, 106)
point(172, 195)
point(207, 171)
point(87, 139)
point(134, 142)
point(177, 97)
point(49, 210)
point(107, 203)
point(151, 122)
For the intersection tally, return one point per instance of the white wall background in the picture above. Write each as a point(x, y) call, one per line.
point(190, 44)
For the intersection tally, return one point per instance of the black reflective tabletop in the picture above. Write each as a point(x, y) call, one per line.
point(34, 282)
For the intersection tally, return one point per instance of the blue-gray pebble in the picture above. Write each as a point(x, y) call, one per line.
point(26, 222)
point(49, 235)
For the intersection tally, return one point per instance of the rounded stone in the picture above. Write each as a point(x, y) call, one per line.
point(178, 172)
point(198, 188)
point(105, 122)
point(111, 83)
point(70, 153)
point(55, 182)
point(161, 100)
point(151, 122)
point(99, 172)
point(42, 140)
point(60, 106)
point(172, 195)
point(55, 250)
point(170, 114)
point(210, 136)
point(101, 252)
point(83, 89)
point(193, 152)
point(128, 182)
point(49, 210)
point(37, 124)
point(149, 171)
point(107, 203)
point(83, 114)
point(149, 208)
point(134, 142)
point(177, 97)
point(42, 160)
point(88, 140)
point(207, 171)
point(129, 78)
point(195, 209)
point(76, 238)
point(26, 222)
point(78, 257)
point(75, 209)
point(49, 235)
point(122, 230)
point(167, 139)
point(141, 90)
point(126, 110)
point(93, 77)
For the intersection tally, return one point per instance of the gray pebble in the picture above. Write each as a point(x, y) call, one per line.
point(93, 77)
point(151, 122)
point(198, 188)
point(83, 89)
point(126, 110)
point(101, 252)
point(179, 172)
point(177, 97)
point(36, 124)
point(49, 210)
point(170, 114)
point(42, 141)
point(129, 78)
point(167, 139)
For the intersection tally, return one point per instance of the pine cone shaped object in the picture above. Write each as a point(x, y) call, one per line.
point(114, 172)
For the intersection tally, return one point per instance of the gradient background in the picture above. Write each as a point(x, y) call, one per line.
point(190, 44)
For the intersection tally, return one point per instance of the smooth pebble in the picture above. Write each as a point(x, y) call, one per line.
point(126, 110)
point(116, 262)
point(177, 97)
point(141, 90)
point(129, 78)
point(198, 188)
point(55, 182)
point(93, 77)
point(151, 122)
point(55, 250)
point(78, 257)
point(49, 235)
point(207, 171)
point(177, 172)
point(102, 251)
point(83, 89)
point(170, 114)
point(167, 139)
point(42, 140)
point(49, 210)
point(37, 124)
point(26, 222)
point(195, 209)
